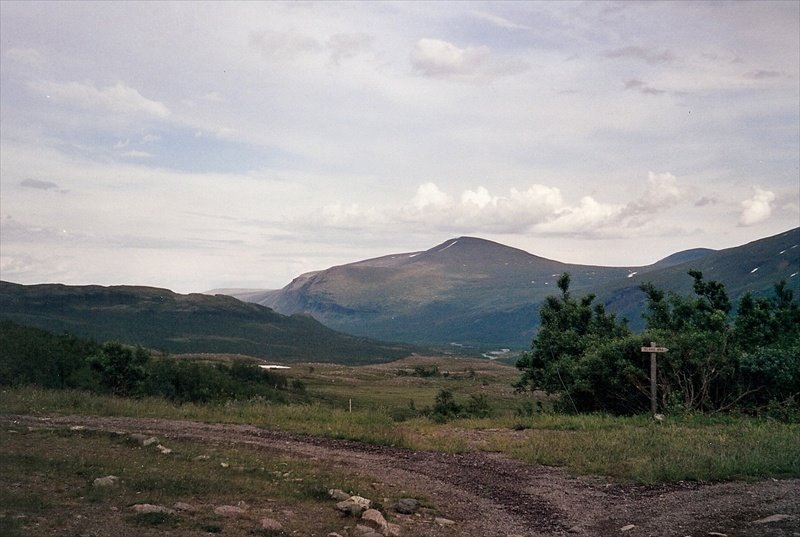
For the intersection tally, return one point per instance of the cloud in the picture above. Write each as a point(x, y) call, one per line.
point(764, 74)
point(433, 57)
point(117, 99)
point(439, 59)
point(758, 208)
point(39, 185)
point(429, 194)
point(344, 46)
point(648, 55)
point(26, 56)
point(283, 45)
point(705, 201)
point(588, 217)
point(136, 154)
point(498, 21)
point(642, 87)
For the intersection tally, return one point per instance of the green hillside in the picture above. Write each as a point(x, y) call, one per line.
point(477, 292)
point(163, 320)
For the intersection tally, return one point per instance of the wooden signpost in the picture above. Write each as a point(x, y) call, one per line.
point(653, 350)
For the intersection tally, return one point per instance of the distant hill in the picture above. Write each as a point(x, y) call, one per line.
point(175, 323)
point(473, 291)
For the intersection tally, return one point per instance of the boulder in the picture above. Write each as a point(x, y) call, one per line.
point(338, 495)
point(407, 506)
point(183, 506)
point(350, 508)
point(374, 519)
point(145, 508)
point(230, 510)
point(107, 481)
point(270, 524)
point(363, 502)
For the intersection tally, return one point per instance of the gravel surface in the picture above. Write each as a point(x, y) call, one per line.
point(489, 495)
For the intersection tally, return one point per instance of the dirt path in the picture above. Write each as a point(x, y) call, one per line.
point(489, 495)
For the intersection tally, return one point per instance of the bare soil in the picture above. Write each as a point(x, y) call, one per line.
point(490, 495)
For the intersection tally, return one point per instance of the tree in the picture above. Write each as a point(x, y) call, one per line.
point(568, 328)
point(122, 370)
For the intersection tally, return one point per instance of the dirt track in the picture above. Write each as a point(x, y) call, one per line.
point(489, 495)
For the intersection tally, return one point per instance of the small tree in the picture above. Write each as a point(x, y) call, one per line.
point(122, 370)
point(568, 328)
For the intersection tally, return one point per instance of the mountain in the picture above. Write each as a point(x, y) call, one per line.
point(161, 319)
point(473, 291)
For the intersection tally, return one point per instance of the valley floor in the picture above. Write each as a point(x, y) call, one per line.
point(486, 494)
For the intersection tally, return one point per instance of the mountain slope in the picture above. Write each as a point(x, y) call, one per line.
point(161, 319)
point(479, 292)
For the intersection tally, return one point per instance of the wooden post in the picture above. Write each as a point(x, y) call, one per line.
point(653, 384)
point(351, 405)
point(653, 350)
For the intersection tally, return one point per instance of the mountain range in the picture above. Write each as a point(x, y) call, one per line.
point(471, 291)
point(194, 323)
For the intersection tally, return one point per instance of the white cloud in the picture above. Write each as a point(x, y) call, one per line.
point(758, 208)
point(480, 198)
point(429, 194)
point(587, 218)
point(436, 58)
point(500, 22)
point(117, 99)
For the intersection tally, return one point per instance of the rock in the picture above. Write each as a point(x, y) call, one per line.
point(224, 464)
point(443, 521)
point(338, 495)
point(716, 534)
point(183, 506)
point(107, 481)
point(772, 518)
point(230, 510)
point(629, 527)
point(375, 519)
point(406, 506)
point(349, 507)
point(333, 534)
point(77, 428)
point(143, 439)
point(392, 530)
point(575, 529)
point(163, 449)
point(144, 508)
point(201, 458)
point(366, 531)
point(363, 502)
point(270, 524)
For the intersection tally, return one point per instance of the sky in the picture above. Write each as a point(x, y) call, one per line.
point(195, 145)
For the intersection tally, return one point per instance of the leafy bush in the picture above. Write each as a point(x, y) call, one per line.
point(716, 361)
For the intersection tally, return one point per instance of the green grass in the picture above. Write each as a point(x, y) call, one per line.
point(691, 447)
point(46, 486)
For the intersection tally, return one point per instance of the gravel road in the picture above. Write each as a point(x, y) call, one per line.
point(490, 495)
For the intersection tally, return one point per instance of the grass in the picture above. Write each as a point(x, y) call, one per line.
point(690, 447)
point(46, 486)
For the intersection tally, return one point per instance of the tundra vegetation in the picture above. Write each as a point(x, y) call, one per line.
point(728, 387)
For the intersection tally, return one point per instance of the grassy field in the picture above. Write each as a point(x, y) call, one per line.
point(46, 487)
point(386, 400)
